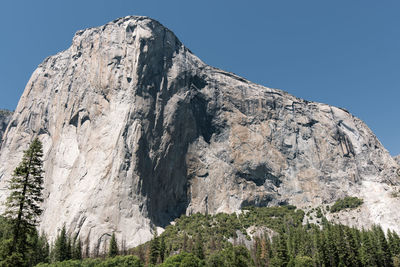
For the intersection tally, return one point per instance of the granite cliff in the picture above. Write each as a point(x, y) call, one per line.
point(397, 159)
point(137, 131)
point(5, 117)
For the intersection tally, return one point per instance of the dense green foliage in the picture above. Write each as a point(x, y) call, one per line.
point(120, 261)
point(113, 247)
point(23, 209)
point(154, 249)
point(67, 248)
point(269, 236)
point(182, 259)
point(62, 249)
point(36, 247)
point(213, 232)
point(346, 203)
point(222, 240)
point(290, 244)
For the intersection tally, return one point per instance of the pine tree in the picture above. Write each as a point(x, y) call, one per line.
point(113, 249)
point(87, 248)
point(77, 249)
point(123, 250)
point(352, 248)
point(384, 254)
point(154, 249)
point(69, 248)
point(37, 250)
point(185, 243)
point(394, 243)
point(341, 246)
point(190, 245)
point(266, 250)
point(331, 256)
point(368, 253)
point(23, 203)
point(198, 247)
point(41, 249)
point(242, 257)
point(162, 249)
point(318, 249)
point(61, 246)
point(256, 251)
point(141, 253)
point(281, 257)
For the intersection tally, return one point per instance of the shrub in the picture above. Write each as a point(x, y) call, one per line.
point(183, 259)
point(346, 203)
point(120, 261)
point(319, 213)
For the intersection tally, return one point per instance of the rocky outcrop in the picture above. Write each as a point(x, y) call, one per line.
point(5, 117)
point(397, 159)
point(137, 131)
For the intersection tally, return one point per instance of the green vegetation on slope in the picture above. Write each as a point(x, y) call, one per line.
point(268, 236)
point(36, 248)
point(221, 240)
point(290, 244)
point(346, 203)
point(120, 261)
point(214, 231)
point(23, 209)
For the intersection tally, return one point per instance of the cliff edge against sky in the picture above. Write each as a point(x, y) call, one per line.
point(137, 131)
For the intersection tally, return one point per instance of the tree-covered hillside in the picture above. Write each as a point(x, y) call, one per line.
point(270, 236)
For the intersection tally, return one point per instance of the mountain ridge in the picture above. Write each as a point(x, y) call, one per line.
point(138, 131)
point(397, 159)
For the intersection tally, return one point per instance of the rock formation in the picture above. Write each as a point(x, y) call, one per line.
point(397, 159)
point(5, 117)
point(137, 131)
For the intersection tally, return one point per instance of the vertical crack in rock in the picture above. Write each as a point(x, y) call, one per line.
point(138, 131)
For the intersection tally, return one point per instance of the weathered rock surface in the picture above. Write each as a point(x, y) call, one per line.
point(137, 131)
point(5, 117)
point(397, 159)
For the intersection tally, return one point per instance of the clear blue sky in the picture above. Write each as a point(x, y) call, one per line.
point(344, 52)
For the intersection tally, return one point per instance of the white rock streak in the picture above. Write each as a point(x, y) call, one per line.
point(137, 131)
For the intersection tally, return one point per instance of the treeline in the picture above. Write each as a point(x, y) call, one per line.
point(329, 245)
point(272, 236)
point(257, 237)
point(269, 236)
point(64, 251)
point(36, 249)
point(290, 244)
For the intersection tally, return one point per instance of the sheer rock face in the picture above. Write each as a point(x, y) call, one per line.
point(137, 131)
point(5, 117)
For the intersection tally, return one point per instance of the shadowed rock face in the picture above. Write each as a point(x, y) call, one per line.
point(5, 117)
point(137, 131)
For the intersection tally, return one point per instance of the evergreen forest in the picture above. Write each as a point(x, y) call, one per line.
point(255, 236)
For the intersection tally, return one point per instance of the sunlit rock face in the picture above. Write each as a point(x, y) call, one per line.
point(5, 117)
point(397, 159)
point(137, 131)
